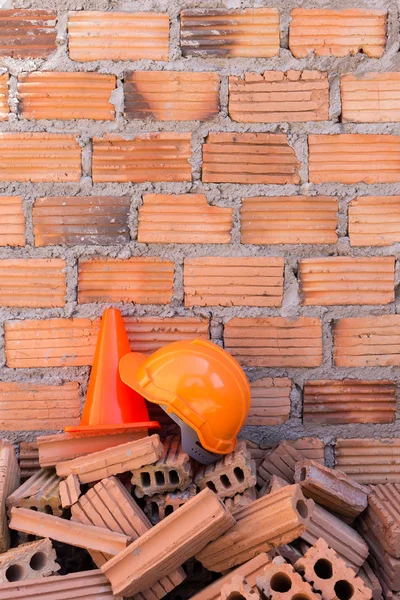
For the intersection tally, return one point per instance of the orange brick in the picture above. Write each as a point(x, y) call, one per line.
point(337, 33)
point(9, 481)
point(310, 447)
point(96, 35)
point(27, 33)
point(354, 158)
point(39, 157)
point(349, 401)
point(278, 96)
point(369, 461)
point(279, 575)
point(139, 280)
point(374, 221)
point(12, 221)
point(171, 95)
point(371, 97)
point(289, 220)
point(275, 341)
point(220, 281)
point(249, 158)
point(70, 490)
point(28, 459)
point(55, 95)
point(50, 342)
point(230, 33)
point(345, 280)
point(367, 341)
point(183, 219)
point(148, 334)
point(149, 157)
point(76, 220)
point(270, 401)
point(29, 406)
point(32, 282)
point(4, 108)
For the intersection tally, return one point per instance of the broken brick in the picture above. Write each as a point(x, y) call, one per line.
point(280, 581)
point(9, 481)
point(238, 587)
point(280, 461)
point(159, 506)
point(374, 220)
point(238, 501)
point(370, 97)
point(70, 490)
point(28, 561)
point(270, 401)
point(27, 33)
point(40, 492)
point(12, 221)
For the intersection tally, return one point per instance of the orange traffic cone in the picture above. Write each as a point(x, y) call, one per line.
point(110, 404)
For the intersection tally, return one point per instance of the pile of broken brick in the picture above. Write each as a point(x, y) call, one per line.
point(155, 523)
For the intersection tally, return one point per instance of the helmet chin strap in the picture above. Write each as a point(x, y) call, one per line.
point(191, 443)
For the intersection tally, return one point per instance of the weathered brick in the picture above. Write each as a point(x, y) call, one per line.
point(349, 401)
point(253, 32)
point(27, 33)
point(239, 501)
point(70, 490)
point(148, 157)
point(28, 459)
point(277, 96)
point(374, 220)
point(220, 281)
point(33, 282)
point(148, 334)
point(370, 97)
point(63, 96)
point(171, 95)
point(337, 33)
point(345, 280)
point(9, 481)
point(367, 341)
point(12, 221)
point(369, 461)
point(51, 342)
point(279, 577)
point(141, 280)
point(183, 219)
point(40, 492)
point(354, 158)
point(289, 220)
point(96, 35)
point(249, 158)
point(28, 561)
point(382, 516)
point(4, 108)
point(159, 506)
point(275, 341)
point(280, 461)
point(270, 401)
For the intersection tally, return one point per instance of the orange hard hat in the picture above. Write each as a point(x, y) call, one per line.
point(199, 383)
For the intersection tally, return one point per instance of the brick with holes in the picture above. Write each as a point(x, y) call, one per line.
point(27, 561)
point(280, 581)
point(238, 588)
point(231, 475)
point(159, 506)
point(173, 470)
point(40, 492)
point(238, 501)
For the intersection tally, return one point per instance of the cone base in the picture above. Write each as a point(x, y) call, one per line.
point(98, 429)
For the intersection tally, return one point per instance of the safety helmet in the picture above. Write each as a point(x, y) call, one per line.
point(201, 387)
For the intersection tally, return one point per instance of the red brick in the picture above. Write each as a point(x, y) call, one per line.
point(220, 281)
point(55, 95)
point(183, 219)
point(369, 461)
point(27, 33)
point(275, 341)
point(249, 158)
point(337, 33)
point(277, 96)
point(354, 158)
point(148, 334)
point(34, 406)
point(171, 95)
point(345, 280)
point(12, 221)
point(148, 157)
point(96, 35)
point(289, 220)
point(370, 97)
point(374, 220)
point(253, 32)
point(4, 108)
point(367, 341)
point(32, 282)
point(270, 401)
point(140, 280)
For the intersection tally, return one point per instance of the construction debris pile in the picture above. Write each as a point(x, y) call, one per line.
point(155, 522)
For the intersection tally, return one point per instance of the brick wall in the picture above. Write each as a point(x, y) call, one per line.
point(223, 172)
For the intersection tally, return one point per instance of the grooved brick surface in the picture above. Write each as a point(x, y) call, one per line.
point(39, 493)
point(171, 95)
point(289, 220)
point(277, 96)
point(270, 401)
point(148, 157)
point(280, 461)
point(39, 157)
point(220, 281)
point(96, 35)
point(4, 108)
point(148, 334)
point(354, 158)
point(27, 406)
point(32, 282)
point(386, 566)
point(28, 459)
point(337, 33)
point(367, 341)
point(27, 33)
point(374, 220)
point(70, 490)
point(12, 221)
point(9, 481)
point(349, 401)
point(372, 97)
point(140, 280)
point(253, 32)
point(71, 220)
point(274, 342)
point(345, 280)
point(382, 516)
point(369, 461)
point(249, 158)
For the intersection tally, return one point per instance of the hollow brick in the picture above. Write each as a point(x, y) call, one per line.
point(9, 481)
point(28, 561)
point(280, 581)
point(159, 506)
point(238, 587)
point(40, 492)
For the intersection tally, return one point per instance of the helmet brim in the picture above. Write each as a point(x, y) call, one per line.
point(129, 366)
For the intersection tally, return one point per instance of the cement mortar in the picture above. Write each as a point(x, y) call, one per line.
point(217, 194)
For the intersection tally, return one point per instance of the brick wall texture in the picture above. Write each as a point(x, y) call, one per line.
point(230, 172)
